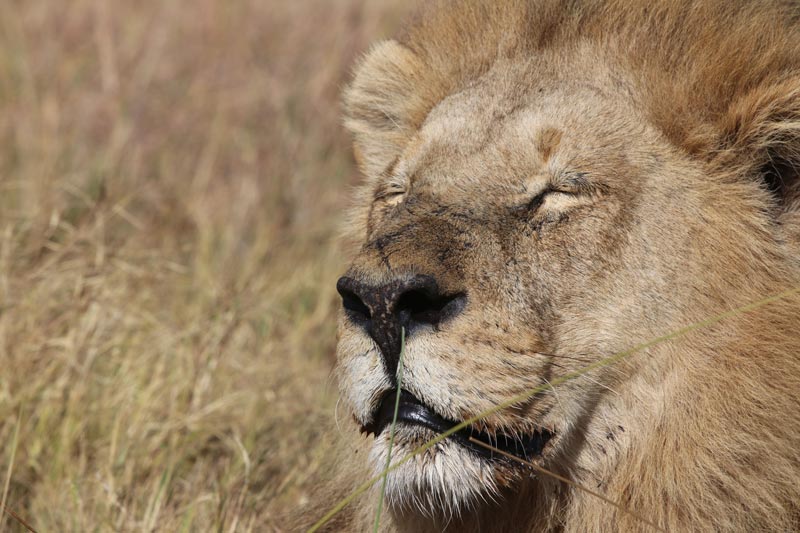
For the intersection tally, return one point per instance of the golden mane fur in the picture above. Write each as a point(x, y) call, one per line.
point(709, 423)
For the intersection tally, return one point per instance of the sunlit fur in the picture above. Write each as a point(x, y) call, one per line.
point(678, 124)
point(445, 490)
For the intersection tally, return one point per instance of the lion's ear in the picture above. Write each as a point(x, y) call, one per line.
point(762, 131)
point(381, 104)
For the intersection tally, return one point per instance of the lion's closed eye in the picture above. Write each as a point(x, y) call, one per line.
point(553, 196)
point(532, 205)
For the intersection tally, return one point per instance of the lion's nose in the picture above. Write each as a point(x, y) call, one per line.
point(406, 303)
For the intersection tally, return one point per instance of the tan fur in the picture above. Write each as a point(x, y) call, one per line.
point(672, 119)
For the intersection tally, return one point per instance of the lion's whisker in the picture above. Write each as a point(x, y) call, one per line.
point(602, 385)
point(553, 390)
point(336, 415)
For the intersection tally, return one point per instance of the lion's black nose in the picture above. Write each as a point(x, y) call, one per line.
point(403, 303)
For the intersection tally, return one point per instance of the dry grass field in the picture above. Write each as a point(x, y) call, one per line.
point(171, 179)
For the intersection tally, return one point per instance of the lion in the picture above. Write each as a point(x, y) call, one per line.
point(549, 184)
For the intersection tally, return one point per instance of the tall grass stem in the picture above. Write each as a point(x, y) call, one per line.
point(7, 483)
point(391, 430)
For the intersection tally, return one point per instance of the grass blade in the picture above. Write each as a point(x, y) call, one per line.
point(6, 485)
point(8, 472)
point(391, 430)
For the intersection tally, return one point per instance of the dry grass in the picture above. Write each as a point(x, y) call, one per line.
point(171, 177)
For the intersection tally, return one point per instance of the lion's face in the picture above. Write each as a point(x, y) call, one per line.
point(553, 187)
point(516, 239)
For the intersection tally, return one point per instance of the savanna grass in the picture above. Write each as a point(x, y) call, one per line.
point(171, 179)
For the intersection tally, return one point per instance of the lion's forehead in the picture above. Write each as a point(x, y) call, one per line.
point(473, 140)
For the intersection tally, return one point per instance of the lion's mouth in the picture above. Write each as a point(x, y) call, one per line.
point(411, 411)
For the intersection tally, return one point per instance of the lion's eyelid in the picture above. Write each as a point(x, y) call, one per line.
point(394, 186)
point(574, 182)
point(534, 203)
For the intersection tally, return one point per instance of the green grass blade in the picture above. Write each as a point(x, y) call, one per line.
point(391, 430)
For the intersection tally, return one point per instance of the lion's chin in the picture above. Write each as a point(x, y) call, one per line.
point(441, 481)
point(445, 478)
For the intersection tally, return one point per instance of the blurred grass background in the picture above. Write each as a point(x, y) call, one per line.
point(172, 175)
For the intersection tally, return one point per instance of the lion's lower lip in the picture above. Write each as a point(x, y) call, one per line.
point(412, 411)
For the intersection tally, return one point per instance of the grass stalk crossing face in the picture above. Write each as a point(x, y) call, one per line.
point(391, 430)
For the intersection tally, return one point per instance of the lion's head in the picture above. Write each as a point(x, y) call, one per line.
point(552, 183)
